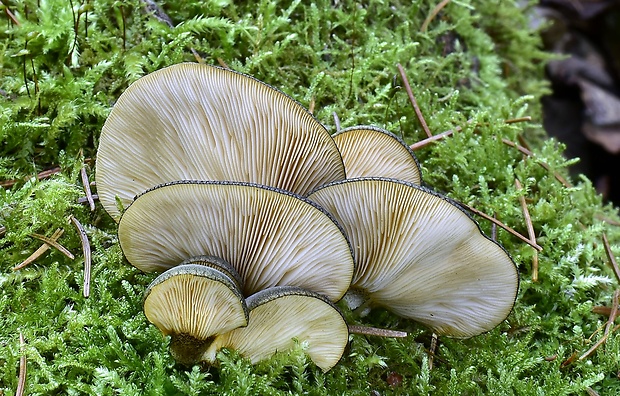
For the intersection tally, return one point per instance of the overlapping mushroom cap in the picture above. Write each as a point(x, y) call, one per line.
point(421, 256)
point(193, 303)
point(271, 237)
point(375, 152)
point(199, 122)
point(280, 316)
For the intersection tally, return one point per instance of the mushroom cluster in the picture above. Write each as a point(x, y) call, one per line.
point(259, 221)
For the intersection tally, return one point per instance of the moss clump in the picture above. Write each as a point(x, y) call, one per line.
point(65, 63)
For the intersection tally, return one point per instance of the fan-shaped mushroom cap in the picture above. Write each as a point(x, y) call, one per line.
point(199, 122)
point(375, 152)
point(271, 237)
point(281, 315)
point(193, 303)
point(421, 256)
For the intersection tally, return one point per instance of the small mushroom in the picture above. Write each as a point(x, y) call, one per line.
point(199, 122)
point(281, 315)
point(375, 152)
point(421, 256)
point(270, 236)
point(194, 303)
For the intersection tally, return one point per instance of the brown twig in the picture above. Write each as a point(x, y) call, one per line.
point(21, 381)
point(57, 234)
point(611, 257)
point(440, 136)
point(614, 311)
point(432, 350)
point(505, 227)
point(10, 14)
point(87, 255)
point(41, 175)
point(427, 141)
point(414, 102)
point(311, 106)
point(84, 200)
point(86, 185)
point(54, 243)
point(598, 344)
point(222, 63)
point(373, 331)
point(603, 310)
point(433, 14)
point(519, 119)
point(530, 230)
point(336, 121)
point(607, 220)
point(543, 164)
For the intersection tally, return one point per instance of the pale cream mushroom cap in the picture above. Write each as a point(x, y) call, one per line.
point(368, 151)
point(281, 316)
point(421, 256)
point(193, 303)
point(271, 237)
point(198, 122)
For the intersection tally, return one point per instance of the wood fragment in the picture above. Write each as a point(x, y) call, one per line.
point(591, 392)
point(598, 344)
point(611, 257)
point(543, 164)
point(2, 231)
point(197, 56)
point(603, 310)
point(502, 225)
point(10, 14)
point(311, 106)
point(222, 63)
point(413, 101)
point(41, 175)
point(613, 313)
point(52, 242)
point(87, 255)
point(520, 119)
point(432, 350)
point(607, 220)
point(57, 234)
point(86, 185)
point(336, 121)
point(494, 228)
point(433, 14)
point(21, 381)
point(535, 267)
point(569, 361)
point(440, 136)
point(373, 331)
point(434, 138)
point(84, 200)
point(530, 230)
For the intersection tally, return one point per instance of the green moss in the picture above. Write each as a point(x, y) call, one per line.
point(65, 65)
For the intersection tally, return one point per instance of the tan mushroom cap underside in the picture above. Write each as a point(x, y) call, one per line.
point(421, 256)
point(369, 151)
point(281, 315)
point(271, 237)
point(200, 122)
point(196, 301)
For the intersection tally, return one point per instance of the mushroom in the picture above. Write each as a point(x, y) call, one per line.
point(421, 256)
point(270, 236)
point(372, 151)
point(194, 303)
point(199, 122)
point(279, 316)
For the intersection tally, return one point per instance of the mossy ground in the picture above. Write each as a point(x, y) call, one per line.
point(65, 63)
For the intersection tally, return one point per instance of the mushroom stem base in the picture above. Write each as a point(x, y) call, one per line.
point(187, 349)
